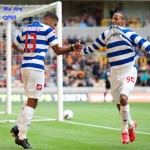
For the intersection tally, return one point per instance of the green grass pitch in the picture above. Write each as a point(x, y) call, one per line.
point(95, 126)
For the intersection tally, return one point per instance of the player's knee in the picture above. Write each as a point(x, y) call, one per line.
point(32, 102)
point(123, 100)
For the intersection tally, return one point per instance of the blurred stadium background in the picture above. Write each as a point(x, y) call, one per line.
point(83, 20)
point(83, 79)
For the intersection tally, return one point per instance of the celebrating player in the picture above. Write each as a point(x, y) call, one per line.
point(36, 39)
point(120, 42)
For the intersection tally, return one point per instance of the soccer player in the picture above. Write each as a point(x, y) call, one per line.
point(36, 39)
point(120, 42)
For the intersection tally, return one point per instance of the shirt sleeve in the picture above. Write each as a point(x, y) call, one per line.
point(96, 45)
point(51, 36)
point(138, 40)
point(18, 40)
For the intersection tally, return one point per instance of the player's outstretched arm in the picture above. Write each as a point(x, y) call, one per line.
point(138, 40)
point(96, 45)
point(77, 47)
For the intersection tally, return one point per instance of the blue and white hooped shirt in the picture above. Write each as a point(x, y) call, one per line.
point(36, 39)
point(120, 43)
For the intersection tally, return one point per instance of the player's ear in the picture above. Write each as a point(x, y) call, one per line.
point(49, 21)
point(123, 23)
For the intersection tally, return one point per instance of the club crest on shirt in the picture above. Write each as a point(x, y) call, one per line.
point(39, 86)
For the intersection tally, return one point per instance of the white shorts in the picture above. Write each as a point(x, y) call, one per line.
point(33, 81)
point(122, 82)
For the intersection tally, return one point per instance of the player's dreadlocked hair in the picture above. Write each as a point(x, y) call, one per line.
point(124, 16)
point(52, 15)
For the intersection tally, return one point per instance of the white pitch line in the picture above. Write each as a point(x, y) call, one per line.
point(39, 119)
point(2, 112)
point(71, 122)
point(14, 114)
point(33, 116)
point(102, 127)
point(34, 120)
point(42, 120)
point(7, 121)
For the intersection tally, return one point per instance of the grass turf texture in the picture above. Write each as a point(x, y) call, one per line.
point(54, 135)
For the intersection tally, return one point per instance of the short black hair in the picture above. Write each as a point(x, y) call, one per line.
point(124, 16)
point(52, 15)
